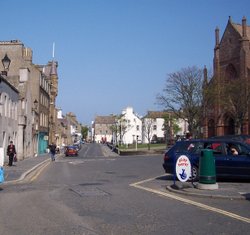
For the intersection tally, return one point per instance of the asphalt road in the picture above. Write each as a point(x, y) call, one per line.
point(98, 193)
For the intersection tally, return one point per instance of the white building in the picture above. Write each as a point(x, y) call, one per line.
point(131, 127)
point(154, 127)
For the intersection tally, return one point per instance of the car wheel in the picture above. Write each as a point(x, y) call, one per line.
point(194, 174)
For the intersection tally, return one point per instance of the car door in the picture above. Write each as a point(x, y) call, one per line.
point(220, 157)
point(241, 162)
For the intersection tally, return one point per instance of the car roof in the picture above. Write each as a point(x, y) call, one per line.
point(213, 140)
point(231, 137)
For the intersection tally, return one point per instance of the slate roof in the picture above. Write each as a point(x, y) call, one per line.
point(156, 114)
point(104, 119)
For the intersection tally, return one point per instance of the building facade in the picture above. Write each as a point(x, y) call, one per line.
point(130, 125)
point(20, 75)
point(37, 86)
point(228, 111)
point(102, 129)
point(159, 127)
point(9, 98)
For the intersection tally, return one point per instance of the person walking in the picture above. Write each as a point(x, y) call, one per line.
point(11, 152)
point(52, 149)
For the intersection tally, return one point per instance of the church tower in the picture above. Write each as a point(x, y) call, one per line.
point(227, 112)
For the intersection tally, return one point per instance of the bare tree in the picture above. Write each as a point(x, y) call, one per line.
point(148, 129)
point(182, 95)
point(122, 127)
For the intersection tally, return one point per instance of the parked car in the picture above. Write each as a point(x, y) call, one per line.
point(226, 162)
point(71, 151)
point(243, 138)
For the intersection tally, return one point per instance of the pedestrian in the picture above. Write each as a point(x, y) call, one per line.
point(11, 152)
point(52, 149)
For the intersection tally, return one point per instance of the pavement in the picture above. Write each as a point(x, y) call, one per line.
point(23, 168)
point(233, 190)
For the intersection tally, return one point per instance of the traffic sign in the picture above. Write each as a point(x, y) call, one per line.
point(183, 168)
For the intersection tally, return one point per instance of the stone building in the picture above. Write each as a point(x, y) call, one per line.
point(37, 86)
point(102, 128)
point(226, 109)
point(63, 130)
point(74, 128)
point(48, 101)
point(20, 75)
point(9, 97)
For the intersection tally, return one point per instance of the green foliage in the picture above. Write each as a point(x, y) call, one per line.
point(84, 131)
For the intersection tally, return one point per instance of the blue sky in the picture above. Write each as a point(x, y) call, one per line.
point(117, 53)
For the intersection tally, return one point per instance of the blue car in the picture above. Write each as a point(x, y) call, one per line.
point(232, 158)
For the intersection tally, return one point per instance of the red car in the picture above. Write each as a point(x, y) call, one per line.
point(71, 151)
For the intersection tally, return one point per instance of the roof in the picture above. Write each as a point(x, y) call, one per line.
point(238, 28)
point(156, 114)
point(104, 119)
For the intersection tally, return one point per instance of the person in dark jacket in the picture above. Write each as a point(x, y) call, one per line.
point(11, 152)
point(52, 149)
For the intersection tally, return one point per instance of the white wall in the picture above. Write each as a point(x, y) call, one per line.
point(134, 126)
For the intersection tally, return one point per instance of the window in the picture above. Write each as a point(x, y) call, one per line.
point(137, 127)
point(154, 127)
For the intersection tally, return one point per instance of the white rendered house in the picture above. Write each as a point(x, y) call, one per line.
point(153, 126)
point(131, 125)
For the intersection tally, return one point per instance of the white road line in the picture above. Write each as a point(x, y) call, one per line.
point(175, 197)
point(85, 153)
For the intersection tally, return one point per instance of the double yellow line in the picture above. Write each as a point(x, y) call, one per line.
point(39, 171)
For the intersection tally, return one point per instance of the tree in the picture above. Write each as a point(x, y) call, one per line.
point(182, 95)
point(170, 127)
point(230, 95)
point(122, 127)
point(84, 132)
point(114, 130)
point(235, 100)
point(148, 129)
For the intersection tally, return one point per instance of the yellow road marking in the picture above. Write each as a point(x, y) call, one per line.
point(200, 205)
point(39, 172)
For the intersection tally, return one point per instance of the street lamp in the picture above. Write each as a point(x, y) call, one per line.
point(6, 64)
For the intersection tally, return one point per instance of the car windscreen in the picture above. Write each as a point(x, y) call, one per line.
point(185, 146)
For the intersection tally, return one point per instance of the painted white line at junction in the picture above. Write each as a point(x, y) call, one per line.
point(197, 204)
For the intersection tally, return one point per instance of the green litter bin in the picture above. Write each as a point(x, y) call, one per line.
point(207, 173)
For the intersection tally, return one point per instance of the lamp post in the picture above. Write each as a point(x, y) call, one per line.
point(6, 64)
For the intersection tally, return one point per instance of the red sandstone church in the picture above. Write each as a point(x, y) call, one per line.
point(223, 114)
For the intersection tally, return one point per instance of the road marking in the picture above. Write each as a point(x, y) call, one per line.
point(197, 204)
point(39, 172)
point(85, 153)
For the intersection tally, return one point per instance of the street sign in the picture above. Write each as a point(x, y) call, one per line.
point(183, 168)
